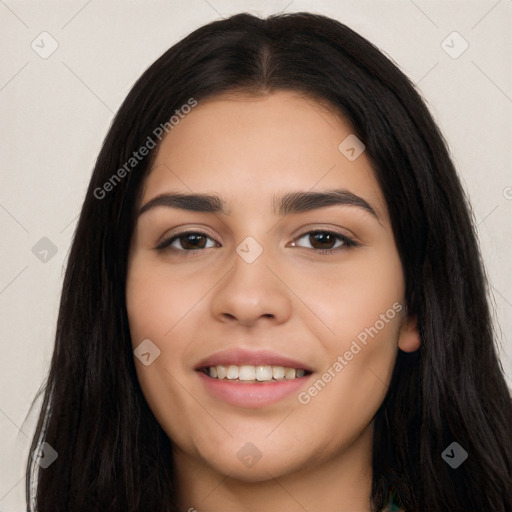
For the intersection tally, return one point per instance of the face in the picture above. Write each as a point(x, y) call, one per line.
point(308, 293)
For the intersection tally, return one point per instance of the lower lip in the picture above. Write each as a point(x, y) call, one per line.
point(253, 395)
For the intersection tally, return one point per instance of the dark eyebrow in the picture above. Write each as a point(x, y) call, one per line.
point(296, 202)
point(194, 202)
point(287, 204)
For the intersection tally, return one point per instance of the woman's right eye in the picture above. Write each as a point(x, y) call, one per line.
point(187, 242)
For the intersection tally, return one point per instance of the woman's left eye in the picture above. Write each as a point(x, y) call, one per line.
point(324, 241)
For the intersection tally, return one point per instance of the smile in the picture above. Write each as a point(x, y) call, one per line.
point(252, 379)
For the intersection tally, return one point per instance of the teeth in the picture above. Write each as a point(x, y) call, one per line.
point(246, 373)
point(278, 372)
point(289, 373)
point(263, 373)
point(249, 373)
point(221, 371)
point(232, 372)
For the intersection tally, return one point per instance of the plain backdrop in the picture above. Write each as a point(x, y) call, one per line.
point(65, 69)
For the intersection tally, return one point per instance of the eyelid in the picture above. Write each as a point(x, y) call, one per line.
point(335, 230)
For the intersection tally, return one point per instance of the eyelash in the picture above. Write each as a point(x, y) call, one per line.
point(347, 242)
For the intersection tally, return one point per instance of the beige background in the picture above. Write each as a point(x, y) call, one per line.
point(55, 112)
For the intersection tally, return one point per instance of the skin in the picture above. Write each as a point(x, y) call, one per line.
point(291, 299)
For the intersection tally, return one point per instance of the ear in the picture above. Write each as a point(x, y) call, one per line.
point(409, 336)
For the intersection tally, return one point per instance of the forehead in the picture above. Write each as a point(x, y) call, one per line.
point(248, 149)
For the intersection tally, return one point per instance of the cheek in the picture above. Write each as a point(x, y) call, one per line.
point(348, 299)
point(156, 299)
point(154, 306)
point(157, 307)
point(357, 317)
point(352, 385)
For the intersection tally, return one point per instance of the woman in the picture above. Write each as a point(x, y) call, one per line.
point(274, 298)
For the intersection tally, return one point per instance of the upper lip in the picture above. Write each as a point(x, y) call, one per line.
point(239, 356)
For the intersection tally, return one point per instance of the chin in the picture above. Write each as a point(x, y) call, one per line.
point(260, 471)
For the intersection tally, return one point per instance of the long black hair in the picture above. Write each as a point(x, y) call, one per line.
point(112, 453)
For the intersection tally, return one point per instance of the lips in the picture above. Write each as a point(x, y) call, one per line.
point(241, 357)
point(250, 393)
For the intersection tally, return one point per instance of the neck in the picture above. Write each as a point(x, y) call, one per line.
point(341, 482)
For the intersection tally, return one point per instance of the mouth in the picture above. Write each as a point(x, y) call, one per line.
point(251, 374)
point(249, 379)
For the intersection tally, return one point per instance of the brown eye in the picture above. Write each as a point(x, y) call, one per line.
point(192, 241)
point(325, 241)
point(322, 239)
point(187, 242)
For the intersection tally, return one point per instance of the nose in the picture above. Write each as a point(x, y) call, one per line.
point(252, 293)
